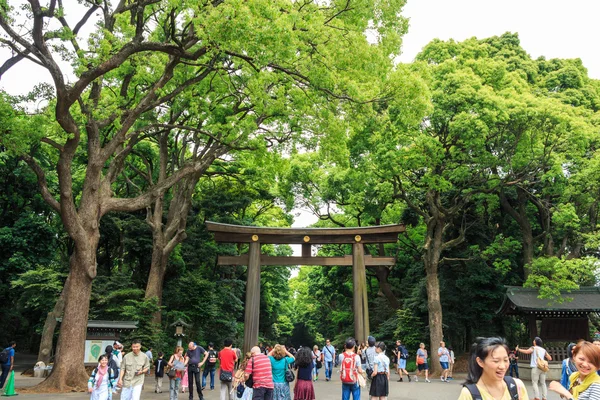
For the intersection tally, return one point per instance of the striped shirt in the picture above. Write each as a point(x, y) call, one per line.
point(261, 373)
point(592, 392)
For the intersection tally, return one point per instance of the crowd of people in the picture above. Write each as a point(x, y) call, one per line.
point(265, 373)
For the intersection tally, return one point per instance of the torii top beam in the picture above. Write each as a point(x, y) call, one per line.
point(227, 233)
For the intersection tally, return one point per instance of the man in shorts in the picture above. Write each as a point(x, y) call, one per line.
point(401, 356)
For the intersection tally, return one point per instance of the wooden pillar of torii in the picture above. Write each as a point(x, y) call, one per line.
point(257, 236)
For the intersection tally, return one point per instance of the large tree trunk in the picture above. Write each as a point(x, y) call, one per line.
point(382, 273)
point(433, 250)
point(49, 327)
point(68, 372)
point(158, 269)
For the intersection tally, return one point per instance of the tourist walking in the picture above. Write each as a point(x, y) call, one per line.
point(240, 377)
point(538, 377)
point(370, 354)
point(184, 381)
point(159, 372)
point(328, 359)
point(280, 361)
point(193, 356)
point(486, 379)
point(349, 370)
point(317, 361)
point(150, 357)
point(381, 374)
point(452, 361)
point(8, 362)
point(401, 357)
point(513, 369)
point(304, 389)
point(444, 356)
point(422, 364)
point(210, 367)
point(259, 367)
point(133, 368)
point(227, 359)
point(102, 381)
point(178, 368)
point(585, 382)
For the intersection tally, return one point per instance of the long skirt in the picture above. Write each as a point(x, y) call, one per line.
point(379, 386)
point(304, 390)
point(281, 391)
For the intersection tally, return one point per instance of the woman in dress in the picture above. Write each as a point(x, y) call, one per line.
point(304, 389)
point(381, 374)
point(178, 363)
point(280, 360)
point(488, 363)
point(102, 382)
point(422, 363)
point(537, 375)
point(585, 383)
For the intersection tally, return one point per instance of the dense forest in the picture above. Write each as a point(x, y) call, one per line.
point(489, 157)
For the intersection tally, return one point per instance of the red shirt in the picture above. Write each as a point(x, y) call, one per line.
point(227, 358)
point(261, 373)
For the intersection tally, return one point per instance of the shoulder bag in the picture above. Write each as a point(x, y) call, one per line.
point(289, 374)
point(540, 362)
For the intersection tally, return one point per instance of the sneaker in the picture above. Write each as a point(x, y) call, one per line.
point(442, 379)
point(416, 378)
point(427, 380)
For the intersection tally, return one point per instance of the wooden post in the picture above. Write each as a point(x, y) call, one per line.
point(361, 305)
point(252, 312)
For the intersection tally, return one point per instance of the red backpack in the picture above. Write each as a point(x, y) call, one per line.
point(348, 370)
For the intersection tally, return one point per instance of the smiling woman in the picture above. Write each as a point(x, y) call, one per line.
point(488, 363)
point(585, 383)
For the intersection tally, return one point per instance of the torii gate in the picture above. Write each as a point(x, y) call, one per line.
point(256, 236)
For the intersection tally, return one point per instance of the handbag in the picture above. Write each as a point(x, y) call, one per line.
point(362, 382)
point(226, 376)
point(250, 381)
point(541, 363)
point(289, 374)
point(171, 373)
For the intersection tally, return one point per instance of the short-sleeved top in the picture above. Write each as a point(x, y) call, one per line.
point(316, 354)
point(538, 352)
point(278, 368)
point(445, 357)
point(370, 355)
point(305, 373)
point(131, 364)
point(11, 353)
point(227, 357)
point(328, 352)
point(149, 355)
point(383, 363)
point(422, 354)
point(466, 395)
point(262, 374)
point(195, 355)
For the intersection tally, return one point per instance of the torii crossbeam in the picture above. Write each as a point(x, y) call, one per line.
point(256, 236)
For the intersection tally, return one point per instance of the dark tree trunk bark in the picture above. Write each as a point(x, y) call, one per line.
point(68, 372)
point(47, 340)
point(382, 273)
point(520, 216)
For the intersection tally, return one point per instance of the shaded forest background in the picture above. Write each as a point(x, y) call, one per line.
point(488, 156)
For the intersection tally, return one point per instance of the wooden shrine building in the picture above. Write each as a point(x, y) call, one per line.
point(307, 237)
point(566, 321)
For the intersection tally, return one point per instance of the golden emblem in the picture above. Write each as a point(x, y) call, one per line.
point(306, 239)
point(255, 238)
point(357, 238)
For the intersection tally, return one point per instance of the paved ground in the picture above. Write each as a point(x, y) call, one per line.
point(435, 390)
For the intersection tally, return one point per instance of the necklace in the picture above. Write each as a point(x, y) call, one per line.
point(490, 392)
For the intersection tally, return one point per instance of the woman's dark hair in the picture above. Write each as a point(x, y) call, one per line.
point(570, 349)
point(482, 348)
point(538, 341)
point(381, 345)
point(102, 356)
point(304, 357)
point(108, 349)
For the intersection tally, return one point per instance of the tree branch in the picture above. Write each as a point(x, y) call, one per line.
point(42, 182)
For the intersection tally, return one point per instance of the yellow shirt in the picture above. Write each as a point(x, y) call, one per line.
point(466, 395)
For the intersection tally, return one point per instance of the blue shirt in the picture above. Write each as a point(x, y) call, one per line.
point(11, 353)
point(445, 354)
point(328, 353)
point(383, 363)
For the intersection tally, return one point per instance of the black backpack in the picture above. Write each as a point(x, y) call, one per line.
point(4, 356)
point(510, 382)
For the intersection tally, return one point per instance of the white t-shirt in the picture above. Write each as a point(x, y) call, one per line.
point(538, 352)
